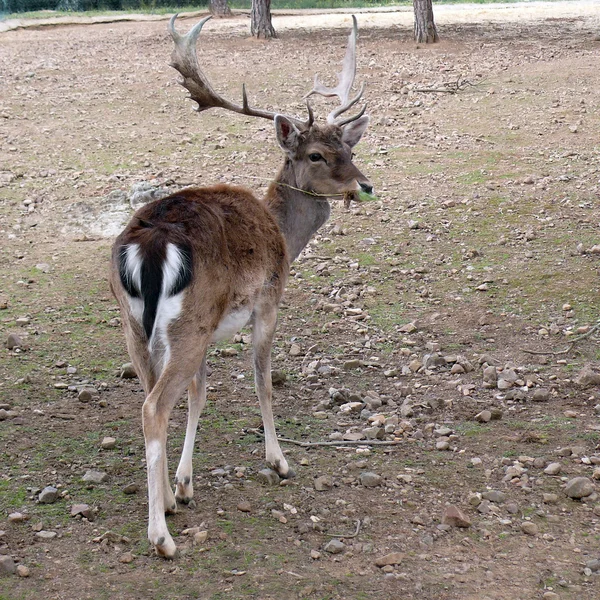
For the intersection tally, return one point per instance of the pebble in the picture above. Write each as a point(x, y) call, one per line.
point(541, 395)
point(268, 477)
point(593, 565)
point(334, 547)
point(485, 416)
point(108, 443)
point(494, 496)
point(587, 377)
point(323, 483)
point(454, 517)
point(46, 535)
point(394, 558)
point(85, 395)
point(92, 476)
point(579, 487)
point(128, 371)
point(7, 566)
point(550, 596)
point(442, 445)
point(131, 488)
point(553, 468)
point(369, 479)
point(200, 537)
point(315, 554)
point(529, 528)
point(17, 517)
point(550, 498)
point(13, 341)
point(48, 495)
point(23, 571)
point(244, 506)
point(126, 558)
point(82, 509)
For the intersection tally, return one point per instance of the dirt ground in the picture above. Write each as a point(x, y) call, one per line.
point(482, 248)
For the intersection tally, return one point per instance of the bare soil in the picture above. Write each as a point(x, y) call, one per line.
point(483, 237)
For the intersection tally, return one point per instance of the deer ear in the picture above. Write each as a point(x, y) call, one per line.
point(354, 131)
point(287, 133)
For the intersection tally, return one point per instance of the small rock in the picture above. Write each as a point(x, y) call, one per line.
point(23, 571)
point(529, 528)
point(13, 341)
point(268, 477)
point(553, 468)
point(84, 510)
point(7, 566)
point(200, 537)
point(244, 506)
point(48, 495)
point(334, 547)
point(108, 443)
point(394, 558)
point(454, 517)
point(593, 565)
point(85, 395)
point(587, 377)
point(549, 498)
point(295, 350)
point(541, 395)
point(323, 483)
point(494, 496)
point(45, 535)
point(368, 479)
point(485, 416)
point(278, 377)
point(126, 558)
point(128, 371)
point(131, 488)
point(92, 476)
point(550, 596)
point(442, 445)
point(579, 487)
point(17, 517)
point(315, 554)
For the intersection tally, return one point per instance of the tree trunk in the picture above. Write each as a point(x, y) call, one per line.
point(261, 19)
point(425, 31)
point(220, 8)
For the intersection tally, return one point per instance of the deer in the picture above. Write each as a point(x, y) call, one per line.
point(197, 266)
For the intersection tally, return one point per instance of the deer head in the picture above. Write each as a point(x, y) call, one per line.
point(320, 156)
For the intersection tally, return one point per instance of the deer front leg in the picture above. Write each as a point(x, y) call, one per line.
point(262, 339)
point(196, 402)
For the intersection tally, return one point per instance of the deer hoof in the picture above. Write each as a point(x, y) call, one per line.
point(165, 548)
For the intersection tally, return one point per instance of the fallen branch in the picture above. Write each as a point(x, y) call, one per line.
point(337, 443)
point(342, 535)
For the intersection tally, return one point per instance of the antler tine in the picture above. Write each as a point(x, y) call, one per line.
point(185, 60)
point(345, 80)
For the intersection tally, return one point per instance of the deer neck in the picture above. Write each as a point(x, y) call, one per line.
point(299, 214)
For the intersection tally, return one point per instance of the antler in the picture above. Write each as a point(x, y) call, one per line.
point(185, 60)
point(345, 82)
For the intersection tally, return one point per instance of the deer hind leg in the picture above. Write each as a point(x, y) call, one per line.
point(263, 331)
point(155, 415)
point(196, 402)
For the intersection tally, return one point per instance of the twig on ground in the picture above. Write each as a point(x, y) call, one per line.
point(590, 331)
point(451, 87)
point(347, 536)
point(337, 443)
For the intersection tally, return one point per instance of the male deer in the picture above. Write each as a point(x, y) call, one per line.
point(198, 265)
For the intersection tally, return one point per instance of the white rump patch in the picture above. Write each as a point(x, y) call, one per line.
point(230, 324)
point(168, 308)
point(133, 271)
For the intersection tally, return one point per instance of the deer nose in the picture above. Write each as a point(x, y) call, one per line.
point(366, 187)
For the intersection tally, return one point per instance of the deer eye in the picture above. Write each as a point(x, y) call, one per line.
point(315, 157)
